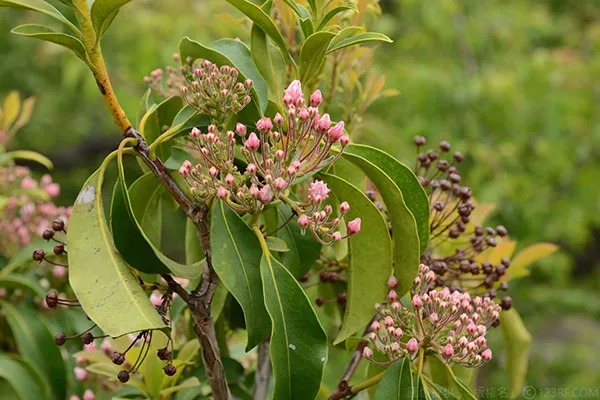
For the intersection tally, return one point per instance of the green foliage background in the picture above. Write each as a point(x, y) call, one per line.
point(514, 84)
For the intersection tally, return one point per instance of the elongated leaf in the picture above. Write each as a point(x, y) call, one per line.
point(24, 116)
point(277, 245)
point(404, 227)
point(20, 377)
point(103, 13)
point(98, 275)
point(111, 370)
point(21, 282)
point(298, 342)
point(413, 193)
point(333, 12)
point(303, 249)
point(527, 256)
point(517, 343)
point(146, 194)
point(36, 345)
point(193, 248)
point(359, 39)
point(157, 117)
point(27, 155)
point(240, 56)
point(262, 19)
point(10, 110)
point(374, 238)
point(42, 7)
point(188, 383)
point(312, 54)
point(132, 241)
point(397, 383)
point(307, 26)
point(236, 257)
point(42, 32)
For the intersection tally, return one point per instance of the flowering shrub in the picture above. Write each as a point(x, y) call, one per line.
point(253, 170)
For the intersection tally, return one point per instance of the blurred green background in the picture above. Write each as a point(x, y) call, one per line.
point(514, 84)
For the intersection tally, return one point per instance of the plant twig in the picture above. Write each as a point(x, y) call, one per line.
point(351, 391)
point(263, 372)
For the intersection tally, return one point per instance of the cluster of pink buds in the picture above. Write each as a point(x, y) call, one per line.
point(216, 91)
point(453, 325)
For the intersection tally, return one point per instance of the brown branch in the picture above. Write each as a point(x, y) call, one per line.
point(263, 372)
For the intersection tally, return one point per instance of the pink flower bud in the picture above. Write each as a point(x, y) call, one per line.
point(375, 326)
point(212, 129)
point(390, 330)
point(287, 100)
point(254, 192)
point(280, 183)
point(253, 142)
point(318, 191)
point(229, 179)
point(433, 318)
point(52, 190)
point(417, 281)
point(430, 276)
point(212, 171)
point(294, 91)
point(487, 354)
point(392, 295)
point(251, 168)
point(324, 123)
point(291, 170)
point(231, 136)
point(106, 346)
point(464, 318)
point(316, 98)
point(481, 329)
point(59, 272)
point(240, 129)
point(398, 333)
point(195, 133)
point(278, 119)
point(463, 341)
point(354, 226)
point(183, 171)
point(412, 345)
point(395, 306)
point(416, 301)
point(88, 395)
point(336, 132)
point(279, 154)
point(392, 281)
point(471, 328)
point(80, 373)
point(73, 397)
point(448, 350)
point(367, 352)
point(388, 321)
point(303, 221)
point(336, 236)
point(249, 83)
point(155, 299)
point(344, 140)
point(266, 194)
point(222, 192)
point(303, 114)
point(28, 183)
point(481, 341)
point(345, 207)
point(395, 346)
point(264, 124)
point(372, 336)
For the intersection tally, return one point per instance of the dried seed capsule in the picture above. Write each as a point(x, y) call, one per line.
point(52, 299)
point(170, 370)
point(59, 249)
point(87, 338)
point(506, 303)
point(60, 339)
point(118, 358)
point(123, 376)
point(163, 354)
point(58, 225)
point(39, 254)
point(48, 234)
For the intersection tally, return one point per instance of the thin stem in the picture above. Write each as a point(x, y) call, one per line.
point(359, 387)
point(420, 361)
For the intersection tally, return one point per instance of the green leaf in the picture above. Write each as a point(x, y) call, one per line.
point(21, 282)
point(193, 248)
point(276, 244)
point(143, 108)
point(178, 156)
point(312, 54)
point(10, 110)
point(103, 13)
point(27, 155)
point(333, 12)
point(23, 381)
point(517, 343)
point(188, 383)
point(359, 39)
point(404, 227)
point(98, 275)
point(413, 193)
point(298, 342)
point(111, 370)
point(131, 239)
point(36, 345)
point(262, 19)
point(41, 7)
point(157, 117)
point(397, 383)
point(374, 238)
point(42, 32)
point(303, 249)
point(236, 255)
point(240, 56)
point(345, 33)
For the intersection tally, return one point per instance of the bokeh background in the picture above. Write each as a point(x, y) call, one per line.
point(514, 84)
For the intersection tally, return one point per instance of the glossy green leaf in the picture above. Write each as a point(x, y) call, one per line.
point(42, 7)
point(298, 342)
point(157, 117)
point(262, 19)
point(359, 39)
point(146, 194)
point(27, 155)
point(333, 12)
point(240, 56)
point(312, 54)
point(292, 4)
point(103, 13)
point(193, 248)
point(196, 50)
point(307, 26)
point(397, 383)
point(25, 384)
point(236, 257)
point(413, 193)
point(132, 241)
point(36, 345)
point(21, 282)
point(98, 274)
point(303, 249)
point(517, 344)
point(42, 32)
point(346, 33)
point(374, 238)
point(276, 244)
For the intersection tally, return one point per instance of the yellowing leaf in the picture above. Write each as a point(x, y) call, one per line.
point(504, 249)
point(528, 256)
point(481, 212)
point(10, 110)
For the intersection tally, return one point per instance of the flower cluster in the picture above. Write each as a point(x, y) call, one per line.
point(28, 210)
point(456, 244)
point(282, 150)
point(452, 325)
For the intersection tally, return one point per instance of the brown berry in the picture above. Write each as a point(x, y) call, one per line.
point(52, 299)
point(123, 376)
point(48, 234)
point(58, 225)
point(342, 299)
point(506, 303)
point(445, 146)
point(87, 338)
point(419, 140)
point(59, 249)
point(39, 254)
point(118, 358)
point(320, 301)
point(163, 354)
point(170, 370)
point(60, 339)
